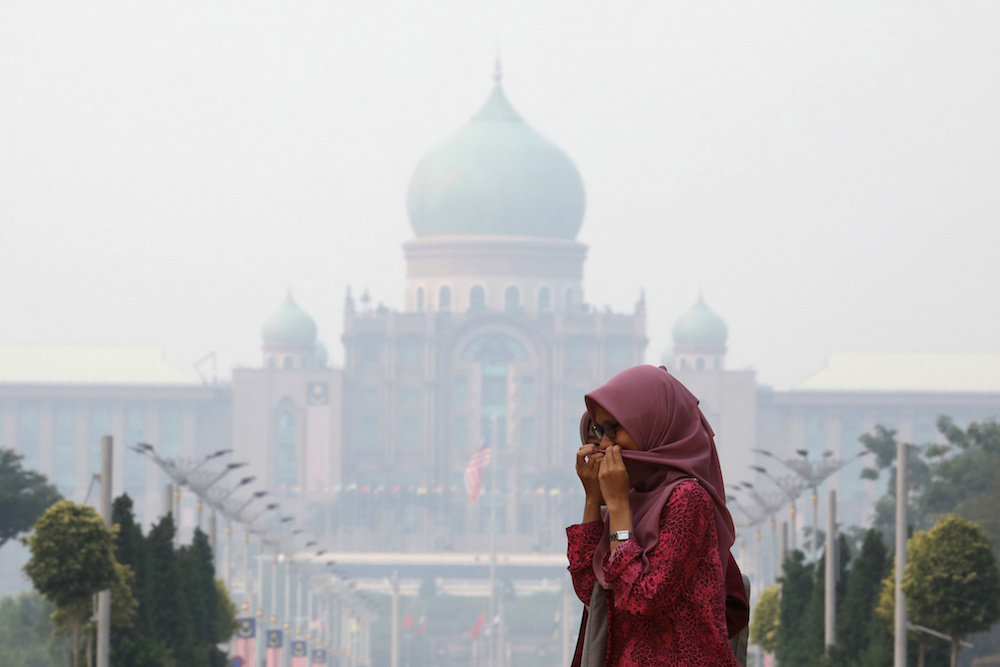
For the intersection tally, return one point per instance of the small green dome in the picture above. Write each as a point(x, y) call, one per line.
point(701, 326)
point(289, 325)
point(496, 176)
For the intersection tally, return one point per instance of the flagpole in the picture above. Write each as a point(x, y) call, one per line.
point(494, 464)
point(394, 620)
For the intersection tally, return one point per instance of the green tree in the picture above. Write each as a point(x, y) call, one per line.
point(927, 646)
point(210, 608)
point(24, 495)
point(170, 618)
point(123, 606)
point(796, 589)
point(882, 443)
point(71, 560)
point(135, 644)
point(854, 615)
point(767, 619)
point(951, 581)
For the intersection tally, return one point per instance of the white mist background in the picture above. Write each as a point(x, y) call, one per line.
point(825, 174)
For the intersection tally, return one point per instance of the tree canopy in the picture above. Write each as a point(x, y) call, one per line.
point(766, 619)
point(854, 618)
point(71, 561)
point(24, 495)
point(951, 580)
point(184, 612)
point(796, 590)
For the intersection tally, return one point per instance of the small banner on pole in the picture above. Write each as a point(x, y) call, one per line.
point(300, 654)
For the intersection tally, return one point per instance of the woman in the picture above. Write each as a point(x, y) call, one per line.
point(651, 559)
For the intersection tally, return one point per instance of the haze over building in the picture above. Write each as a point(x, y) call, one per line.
point(497, 337)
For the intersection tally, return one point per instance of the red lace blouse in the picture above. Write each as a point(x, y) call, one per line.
point(675, 613)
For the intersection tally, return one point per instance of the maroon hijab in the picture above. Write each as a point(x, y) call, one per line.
point(675, 443)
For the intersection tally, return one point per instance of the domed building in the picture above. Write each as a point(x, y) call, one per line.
point(288, 411)
point(728, 398)
point(496, 341)
point(700, 337)
point(289, 337)
point(495, 208)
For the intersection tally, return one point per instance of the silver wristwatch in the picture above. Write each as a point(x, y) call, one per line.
point(621, 535)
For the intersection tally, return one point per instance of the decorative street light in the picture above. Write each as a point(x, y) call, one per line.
point(768, 504)
point(812, 474)
point(790, 485)
point(187, 472)
point(752, 518)
point(200, 481)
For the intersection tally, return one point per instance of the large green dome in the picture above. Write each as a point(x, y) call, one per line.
point(289, 325)
point(496, 176)
point(701, 326)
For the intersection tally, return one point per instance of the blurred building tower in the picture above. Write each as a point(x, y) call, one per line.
point(286, 414)
point(496, 334)
point(727, 397)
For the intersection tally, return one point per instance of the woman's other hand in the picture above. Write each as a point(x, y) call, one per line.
point(613, 478)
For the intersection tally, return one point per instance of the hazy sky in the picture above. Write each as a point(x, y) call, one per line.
point(826, 172)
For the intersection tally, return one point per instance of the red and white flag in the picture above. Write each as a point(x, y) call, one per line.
point(243, 647)
point(474, 469)
point(477, 627)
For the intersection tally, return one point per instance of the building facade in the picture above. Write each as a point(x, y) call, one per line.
point(495, 342)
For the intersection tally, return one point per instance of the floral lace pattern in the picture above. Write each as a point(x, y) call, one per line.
point(673, 614)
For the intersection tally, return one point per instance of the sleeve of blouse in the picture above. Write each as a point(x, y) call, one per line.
point(687, 531)
point(582, 539)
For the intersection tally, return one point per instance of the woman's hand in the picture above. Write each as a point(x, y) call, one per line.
point(613, 479)
point(588, 465)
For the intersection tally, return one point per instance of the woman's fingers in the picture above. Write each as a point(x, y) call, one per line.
point(613, 476)
point(588, 460)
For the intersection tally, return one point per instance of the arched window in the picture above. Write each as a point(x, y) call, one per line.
point(544, 299)
point(718, 363)
point(271, 363)
point(420, 299)
point(289, 362)
point(444, 298)
point(477, 298)
point(699, 364)
point(569, 299)
point(512, 299)
point(684, 364)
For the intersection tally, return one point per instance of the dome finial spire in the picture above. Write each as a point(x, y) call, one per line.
point(497, 70)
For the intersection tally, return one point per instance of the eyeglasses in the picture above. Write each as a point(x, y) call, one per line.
point(610, 429)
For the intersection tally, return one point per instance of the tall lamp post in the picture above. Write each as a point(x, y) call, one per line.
point(216, 499)
point(790, 485)
point(200, 481)
point(751, 519)
point(234, 514)
point(768, 504)
point(812, 473)
point(181, 471)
